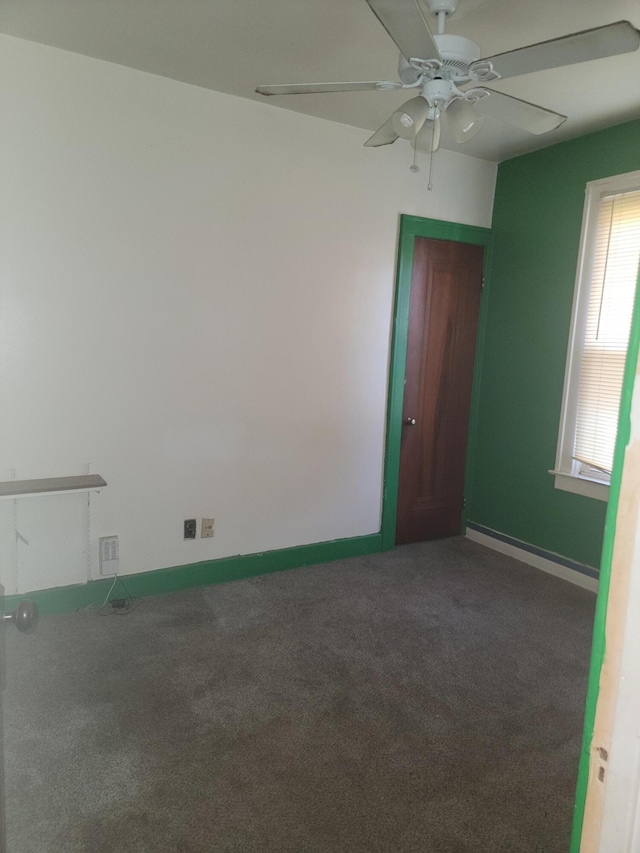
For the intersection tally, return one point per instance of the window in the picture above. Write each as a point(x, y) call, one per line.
point(602, 309)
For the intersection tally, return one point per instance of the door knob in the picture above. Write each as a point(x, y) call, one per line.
point(24, 617)
point(410, 421)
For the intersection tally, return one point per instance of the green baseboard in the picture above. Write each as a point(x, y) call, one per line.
point(63, 599)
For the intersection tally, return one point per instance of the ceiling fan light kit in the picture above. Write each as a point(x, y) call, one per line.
point(464, 121)
point(409, 118)
point(450, 74)
point(428, 137)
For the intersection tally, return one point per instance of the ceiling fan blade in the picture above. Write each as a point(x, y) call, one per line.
point(520, 113)
point(384, 135)
point(312, 88)
point(611, 40)
point(407, 26)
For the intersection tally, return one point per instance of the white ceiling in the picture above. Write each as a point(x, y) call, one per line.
point(233, 45)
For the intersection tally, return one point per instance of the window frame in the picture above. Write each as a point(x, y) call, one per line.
point(567, 475)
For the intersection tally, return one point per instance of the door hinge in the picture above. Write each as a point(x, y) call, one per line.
point(482, 285)
point(464, 503)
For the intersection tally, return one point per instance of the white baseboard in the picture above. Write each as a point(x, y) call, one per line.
point(543, 563)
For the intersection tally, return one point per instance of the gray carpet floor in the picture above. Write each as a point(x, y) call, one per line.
point(427, 699)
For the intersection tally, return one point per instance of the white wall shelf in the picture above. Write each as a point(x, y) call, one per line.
point(51, 486)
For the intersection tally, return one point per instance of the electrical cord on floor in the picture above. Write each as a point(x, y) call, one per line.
point(119, 606)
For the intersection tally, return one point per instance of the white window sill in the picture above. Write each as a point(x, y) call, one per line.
point(581, 485)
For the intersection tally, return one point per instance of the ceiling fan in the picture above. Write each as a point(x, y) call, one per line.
point(446, 69)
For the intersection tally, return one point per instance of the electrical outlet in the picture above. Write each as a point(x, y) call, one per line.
point(206, 528)
point(190, 526)
point(109, 555)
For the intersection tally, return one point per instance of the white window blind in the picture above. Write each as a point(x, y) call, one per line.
point(612, 291)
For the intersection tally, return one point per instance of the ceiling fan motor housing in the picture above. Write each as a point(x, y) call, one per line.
point(457, 53)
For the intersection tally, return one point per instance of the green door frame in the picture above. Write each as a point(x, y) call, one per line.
point(604, 580)
point(410, 228)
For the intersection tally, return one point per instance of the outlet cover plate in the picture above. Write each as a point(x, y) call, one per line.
point(206, 529)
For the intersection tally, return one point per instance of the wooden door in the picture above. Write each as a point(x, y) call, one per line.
point(446, 286)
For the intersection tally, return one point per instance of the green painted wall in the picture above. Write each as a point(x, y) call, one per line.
point(536, 223)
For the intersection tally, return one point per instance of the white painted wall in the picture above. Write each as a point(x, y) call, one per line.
point(195, 297)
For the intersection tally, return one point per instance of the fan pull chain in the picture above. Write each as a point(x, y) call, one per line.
point(415, 167)
point(433, 133)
